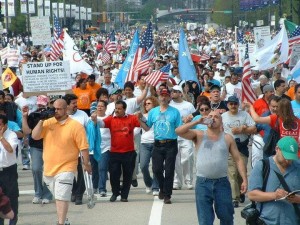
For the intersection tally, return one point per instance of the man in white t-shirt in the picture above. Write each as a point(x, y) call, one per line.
point(185, 158)
point(234, 87)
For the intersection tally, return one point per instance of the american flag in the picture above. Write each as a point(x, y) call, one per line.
point(240, 37)
point(58, 40)
point(146, 44)
point(159, 75)
point(105, 57)
point(111, 45)
point(294, 38)
point(143, 63)
point(248, 94)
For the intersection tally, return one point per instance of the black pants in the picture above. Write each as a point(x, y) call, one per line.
point(78, 188)
point(121, 162)
point(163, 165)
point(9, 184)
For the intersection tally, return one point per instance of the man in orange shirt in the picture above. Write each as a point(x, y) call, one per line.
point(93, 85)
point(63, 139)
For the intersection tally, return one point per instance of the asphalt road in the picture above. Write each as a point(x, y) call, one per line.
point(142, 208)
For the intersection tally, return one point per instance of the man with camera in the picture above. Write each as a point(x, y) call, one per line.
point(63, 138)
point(276, 204)
point(29, 121)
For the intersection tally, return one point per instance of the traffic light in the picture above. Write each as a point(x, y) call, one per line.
point(104, 17)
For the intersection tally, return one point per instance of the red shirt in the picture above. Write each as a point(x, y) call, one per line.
point(260, 106)
point(121, 130)
point(295, 133)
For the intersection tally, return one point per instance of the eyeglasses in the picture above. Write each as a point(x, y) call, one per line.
point(175, 91)
point(58, 109)
point(233, 103)
point(204, 109)
point(148, 103)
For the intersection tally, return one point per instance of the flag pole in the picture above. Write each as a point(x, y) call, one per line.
point(236, 44)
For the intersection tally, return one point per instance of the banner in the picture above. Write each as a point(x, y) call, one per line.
point(82, 13)
point(77, 13)
point(23, 6)
point(68, 10)
point(47, 8)
point(40, 7)
point(61, 11)
point(73, 11)
point(295, 55)
point(191, 26)
point(262, 36)
point(31, 6)
point(89, 14)
point(242, 51)
point(55, 8)
point(11, 8)
point(40, 30)
point(8, 78)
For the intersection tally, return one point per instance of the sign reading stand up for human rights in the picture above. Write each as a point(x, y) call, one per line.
point(48, 78)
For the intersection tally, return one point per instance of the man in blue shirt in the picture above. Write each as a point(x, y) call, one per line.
point(274, 209)
point(164, 119)
point(296, 103)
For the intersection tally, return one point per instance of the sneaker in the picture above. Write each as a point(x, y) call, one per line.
point(134, 183)
point(155, 193)
point(190, 186)
point(242, 198)
point(124, 200)
point(103, 194)
point(45, 201)
point(36, 200)
point(26, 167)
point(161, 195)
point(167, 200)
point(235, 203)
point(176, 187)
point(148, 190)
point(113, 198)
point(78, 200)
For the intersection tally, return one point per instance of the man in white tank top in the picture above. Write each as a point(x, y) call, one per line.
point(212, 185)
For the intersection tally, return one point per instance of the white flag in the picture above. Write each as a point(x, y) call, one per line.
point(71, 54)
point(274, 53)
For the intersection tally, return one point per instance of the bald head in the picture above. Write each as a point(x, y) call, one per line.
point(60, 106)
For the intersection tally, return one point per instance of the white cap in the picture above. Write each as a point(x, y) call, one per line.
point(177, 88)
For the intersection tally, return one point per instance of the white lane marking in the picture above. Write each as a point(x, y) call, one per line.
point(156, 211)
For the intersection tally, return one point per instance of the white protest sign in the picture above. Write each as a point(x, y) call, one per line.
point(46, 77)
point(262, 36)
point(242, 52)
point(295, 55)
point(40, 30)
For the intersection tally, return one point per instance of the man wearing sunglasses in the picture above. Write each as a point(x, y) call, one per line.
point(240, 125)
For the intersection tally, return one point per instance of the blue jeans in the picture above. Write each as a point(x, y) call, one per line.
point(215, 192)
point(145, 156)
point(40, 188)
point(103, 169)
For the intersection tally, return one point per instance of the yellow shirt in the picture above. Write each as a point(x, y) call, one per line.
point(62, 143)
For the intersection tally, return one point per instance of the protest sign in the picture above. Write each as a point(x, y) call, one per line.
point(40, 30)
point(46, 78)
point(295, 55)
point(262, 36)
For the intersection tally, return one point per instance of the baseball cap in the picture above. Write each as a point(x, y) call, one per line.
point(42, 100)
point(289, 147)
point(213, 87)
point(233, 98)
point(116, 91)
point(164, 92)
point(177, 88)
point(267, 87)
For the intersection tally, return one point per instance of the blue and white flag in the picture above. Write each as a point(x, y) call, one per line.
point(186, 66)
point(121, 76)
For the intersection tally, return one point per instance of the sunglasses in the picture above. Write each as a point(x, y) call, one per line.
point(233, 103)
point(204, 109)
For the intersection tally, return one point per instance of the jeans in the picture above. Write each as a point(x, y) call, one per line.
point(163, 165)
point(145, 155)
point(217, 193)
point(99, 171)
point(25, 156)
point(40, 189)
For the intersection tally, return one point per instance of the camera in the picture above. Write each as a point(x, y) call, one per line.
point(43, 114)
